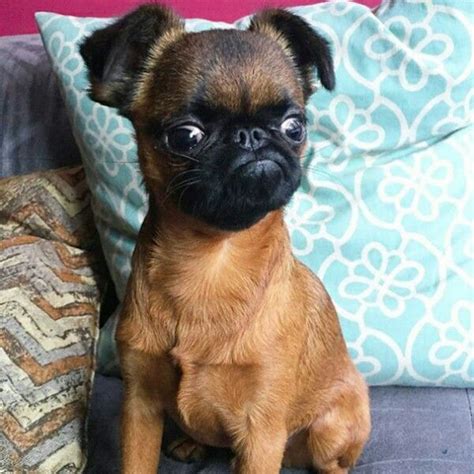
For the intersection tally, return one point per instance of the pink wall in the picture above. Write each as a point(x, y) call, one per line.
point(16, 16)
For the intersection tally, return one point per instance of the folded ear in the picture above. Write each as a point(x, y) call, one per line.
point(116, 55)
point(308, 49)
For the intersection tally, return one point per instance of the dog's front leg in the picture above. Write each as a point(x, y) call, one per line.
point(142, 413)
point(141, 434)
point(260, 450)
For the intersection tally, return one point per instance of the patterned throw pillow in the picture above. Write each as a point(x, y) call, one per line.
point(384, 215)
point(50, 289)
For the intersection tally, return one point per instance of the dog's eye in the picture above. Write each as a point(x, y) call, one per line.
point(294, 129)
point(184, 138)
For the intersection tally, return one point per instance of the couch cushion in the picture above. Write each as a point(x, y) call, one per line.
point(415, 431)
point(35, 133)
point(384, 214)
point(50, 291)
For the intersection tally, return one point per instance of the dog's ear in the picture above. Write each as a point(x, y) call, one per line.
point(308, 49)
point(116, 55)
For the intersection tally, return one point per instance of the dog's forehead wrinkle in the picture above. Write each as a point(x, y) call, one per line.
point(207, 111)
point(230, 43)
point(235, 73)
point(244, 87)
point(223, 67)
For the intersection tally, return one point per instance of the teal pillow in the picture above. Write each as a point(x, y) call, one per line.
point(385, 212)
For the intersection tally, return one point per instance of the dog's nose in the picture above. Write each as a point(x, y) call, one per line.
point(250, 138)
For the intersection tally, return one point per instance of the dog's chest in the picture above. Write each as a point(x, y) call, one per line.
point(211, 398)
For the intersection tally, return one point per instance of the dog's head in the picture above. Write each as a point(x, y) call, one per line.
point(219, 115)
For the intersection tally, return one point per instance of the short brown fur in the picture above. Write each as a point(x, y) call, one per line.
point(240, 344)
point(227, 332)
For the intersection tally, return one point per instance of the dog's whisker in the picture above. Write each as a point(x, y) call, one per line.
point(185, 189)
point(310, 168)
point(182, 155)
point(179, 175)
point(184, 184)
point(180, 184)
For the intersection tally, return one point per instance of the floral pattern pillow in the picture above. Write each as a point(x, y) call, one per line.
point(384, 215)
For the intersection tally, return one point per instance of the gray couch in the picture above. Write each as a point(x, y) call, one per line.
point(415, 430)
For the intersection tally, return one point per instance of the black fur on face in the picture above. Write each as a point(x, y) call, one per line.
point(244, 166)
point(219, 115)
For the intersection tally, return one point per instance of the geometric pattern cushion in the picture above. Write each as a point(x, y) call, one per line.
point(50, 290)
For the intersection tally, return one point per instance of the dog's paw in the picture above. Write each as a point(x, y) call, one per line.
point(185, 449)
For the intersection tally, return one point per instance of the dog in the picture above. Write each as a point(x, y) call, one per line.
point(222, 328)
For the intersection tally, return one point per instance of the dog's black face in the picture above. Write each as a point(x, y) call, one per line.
point(239, 166)
point(236, 132)
point(219, 115)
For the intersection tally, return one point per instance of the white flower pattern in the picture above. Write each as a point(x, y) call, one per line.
point(382, 278)
point(383, 215)
point(418, 188)
point(455, 349)
point(349, 130)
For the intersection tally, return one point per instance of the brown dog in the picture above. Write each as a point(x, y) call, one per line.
point(222, 328)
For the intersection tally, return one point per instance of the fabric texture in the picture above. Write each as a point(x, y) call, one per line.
point(35, 133)
point(50, 291)
point(415, 431)
point(384, 214)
